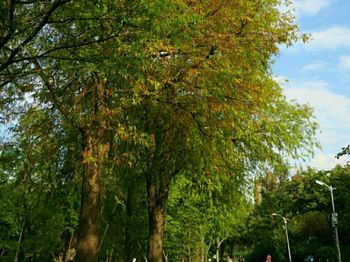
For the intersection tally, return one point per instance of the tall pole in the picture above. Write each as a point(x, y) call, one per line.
point(285, 220)
point(334, 218)
point(335, 224)
point(286, 228)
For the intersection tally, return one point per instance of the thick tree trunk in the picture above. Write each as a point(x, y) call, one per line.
point(95, 150)
point(156, 235)
point(88, 238)
point(156, 214)
point(158, 178)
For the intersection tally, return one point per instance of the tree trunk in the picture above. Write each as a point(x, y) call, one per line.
point(158, 178)
point(95, 150)
point(129, 248)
point(156, 215)
point(218, 249)
point(202, 244)
point(88, 238)
point(156, 235)
point(165, 257)
point(20, 240)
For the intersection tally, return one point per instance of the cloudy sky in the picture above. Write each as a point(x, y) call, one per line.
point(318, 73)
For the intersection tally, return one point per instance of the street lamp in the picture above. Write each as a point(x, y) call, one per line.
point(334, 217)
point(285, 220)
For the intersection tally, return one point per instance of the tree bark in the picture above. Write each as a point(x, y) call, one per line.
point(88, 237)
point(95, 150)
point(156, 214)
point(156, 227)
point(158, 177)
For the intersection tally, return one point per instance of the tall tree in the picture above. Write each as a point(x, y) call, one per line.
point(190, 78)
point(90, 86)
point(216, 92)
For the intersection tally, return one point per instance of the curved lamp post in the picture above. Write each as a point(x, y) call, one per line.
point(285, 220)
point(334, 217)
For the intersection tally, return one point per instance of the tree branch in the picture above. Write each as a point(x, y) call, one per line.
point(25, 2)
point(44, 54)
point(213, 12)
point(5, 39)
point(56, 4)
point(55, 98)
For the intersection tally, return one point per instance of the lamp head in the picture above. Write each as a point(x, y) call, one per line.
point(320, 183)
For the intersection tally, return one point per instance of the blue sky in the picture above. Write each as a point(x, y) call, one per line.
point(318, 73)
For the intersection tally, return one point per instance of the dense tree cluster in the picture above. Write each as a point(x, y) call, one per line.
point(308, 207)
point(136, 126)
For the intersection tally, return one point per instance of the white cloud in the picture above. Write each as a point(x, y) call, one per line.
point(310, 7)
point(331, 38)
point(344, 62)
point(327, 161)
point(332, 111)
point(315, 66)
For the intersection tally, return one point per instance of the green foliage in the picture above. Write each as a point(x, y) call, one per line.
point(200, 214)
point(308, 206)
point(182, 91)
point(40, 192)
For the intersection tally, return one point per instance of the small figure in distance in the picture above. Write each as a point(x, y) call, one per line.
point(229, 259)
point(240, 259)
point(268, 258)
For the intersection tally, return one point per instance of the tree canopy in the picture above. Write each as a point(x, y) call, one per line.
point(118, 104)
